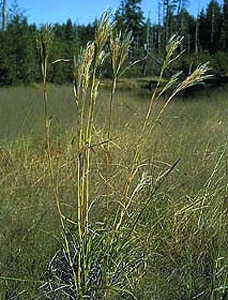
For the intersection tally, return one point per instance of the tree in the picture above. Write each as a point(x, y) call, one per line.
point(17, 55)
point(181, 4)
point(225, 26)
point(186, 26)
point(210, 27)
point(20, 51)
point(129, 16)
point(3, 14)
point(174, 13)
point(168, 12)
point(182, 13)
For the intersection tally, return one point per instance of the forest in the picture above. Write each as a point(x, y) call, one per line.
point(205, 39)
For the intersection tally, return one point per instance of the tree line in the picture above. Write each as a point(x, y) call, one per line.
point(205, 38)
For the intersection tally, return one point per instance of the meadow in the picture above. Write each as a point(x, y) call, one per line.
point(113, 193)
point(182, 232)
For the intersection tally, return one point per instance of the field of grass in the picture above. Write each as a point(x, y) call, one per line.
point(182, 232)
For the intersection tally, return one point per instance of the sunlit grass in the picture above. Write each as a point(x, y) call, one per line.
point(186, 228)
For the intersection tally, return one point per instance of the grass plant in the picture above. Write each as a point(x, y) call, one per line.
point(120, 235)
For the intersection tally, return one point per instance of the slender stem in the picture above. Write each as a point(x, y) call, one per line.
point(138, 150)
point(44, 41)
point(114, 84)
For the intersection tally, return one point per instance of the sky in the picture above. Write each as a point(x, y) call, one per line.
point(86, 11)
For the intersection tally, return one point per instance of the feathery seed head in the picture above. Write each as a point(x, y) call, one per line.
point(173, 44)
point(43, 41)
point(119, 47)
point(84, 65)
point(197, 76)
point(101, 35)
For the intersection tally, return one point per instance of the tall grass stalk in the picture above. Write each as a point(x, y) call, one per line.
point(148, 124)
point(119, 44)
point(87, 76)
point(119, 49)
point(101, 36)
point(44, 41)
point(104, 258)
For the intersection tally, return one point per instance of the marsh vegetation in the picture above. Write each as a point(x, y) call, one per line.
point(113, 194)
point(183, 231)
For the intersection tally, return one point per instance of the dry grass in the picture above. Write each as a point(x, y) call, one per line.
point(183, 239)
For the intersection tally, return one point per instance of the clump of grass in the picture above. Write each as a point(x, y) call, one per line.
point(105, 259)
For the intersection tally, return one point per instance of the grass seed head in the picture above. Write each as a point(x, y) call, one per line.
point(196, 77)
point(83, 67)
point(43, 41)
point(119, 47)
point(173, 44)
point(101, 36)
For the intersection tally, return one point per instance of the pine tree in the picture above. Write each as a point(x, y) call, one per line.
point(129, 16)
point(225, 26)
point(3, 14)
point(210, 27)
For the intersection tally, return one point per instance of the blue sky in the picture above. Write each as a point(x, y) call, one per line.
point(85, 11)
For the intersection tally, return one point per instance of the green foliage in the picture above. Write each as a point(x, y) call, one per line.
point(18, 53)
point(210, 26)
point(129, 16)
point(20, 62)
point(220, 62)
point(3, 15)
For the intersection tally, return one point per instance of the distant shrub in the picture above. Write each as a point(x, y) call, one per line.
point(220, 62)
